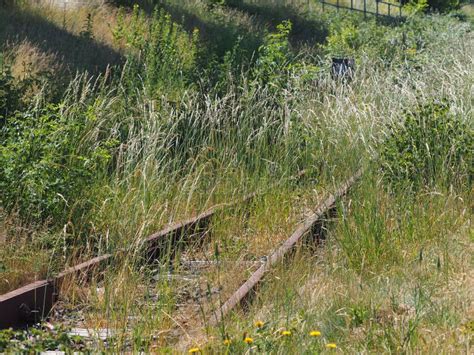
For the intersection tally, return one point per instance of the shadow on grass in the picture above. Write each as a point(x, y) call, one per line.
point(77, 53)
point(305, 30)
point(219, 31)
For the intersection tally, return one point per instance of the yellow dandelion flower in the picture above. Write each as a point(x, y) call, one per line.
point(286, 333)
point(194, 350)
point(331, 346)
point(248, 340)
point(227, 342)
point(315, 333)
point(259, 324)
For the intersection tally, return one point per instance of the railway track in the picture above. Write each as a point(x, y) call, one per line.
point(31, 303)
point(311, 224)
point(34, 302)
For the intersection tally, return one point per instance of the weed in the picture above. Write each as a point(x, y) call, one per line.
point(430, 146)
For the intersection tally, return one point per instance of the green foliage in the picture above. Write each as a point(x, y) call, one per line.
point(344, 41)
point(160, 52)
point(353, 37)
point(9, 94)
point(432, 145)
point(272, 338)
point(437, 5)
point(41, 166)
point(37, 340)
point(416, 6)
point(385, 44)
point(444, 5)
point(87, 31)
point(214, 3)
point(274, 60)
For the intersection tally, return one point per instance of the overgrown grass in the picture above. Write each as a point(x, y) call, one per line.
point(125, 152)
point(390, 278)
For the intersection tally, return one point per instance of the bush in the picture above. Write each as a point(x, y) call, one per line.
point(274, 60)
point(36, 340)
point(444, 5)
point(432, 146)
point(344, 41)
point(161, 53)
point(437, 5)
point(42, 168)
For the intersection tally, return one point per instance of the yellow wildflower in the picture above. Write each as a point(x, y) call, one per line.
point(331, 346)
point(227, 342)
point(259, 324)
point(248, 340)
point(194, 350)
point(315, 333)
point(286, 333)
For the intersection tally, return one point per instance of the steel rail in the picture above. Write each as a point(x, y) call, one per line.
point(33, 302)
point(304, 228)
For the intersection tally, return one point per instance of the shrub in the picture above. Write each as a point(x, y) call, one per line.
point(274, 59)
point(437, 5)
point(161, 53)
point(344, 41)
point(444, 5)
point(37, 340)
point(41, 166)
point(431, 146)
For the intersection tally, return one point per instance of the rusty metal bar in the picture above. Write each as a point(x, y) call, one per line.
point(158, 243)
point(249, 285)
point(27, 304)
point(33, 302)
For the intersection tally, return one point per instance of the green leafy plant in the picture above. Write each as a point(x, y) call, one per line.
point(160, 52)
point(432, 144)
point(415, 6)
point(444, 5)
point(37, 340)
point(87, 31)
point(344, 41)
point(42, 167)
point(274, 60)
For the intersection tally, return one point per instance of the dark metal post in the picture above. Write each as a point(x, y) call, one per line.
point(365, 8)
point(389, 6)
point(377, 7)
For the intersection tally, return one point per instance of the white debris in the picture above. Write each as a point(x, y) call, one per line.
point(102, 334)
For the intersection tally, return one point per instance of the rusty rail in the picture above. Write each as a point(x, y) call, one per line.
point(306, 226)
point(33, 302)
point(30, 303)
